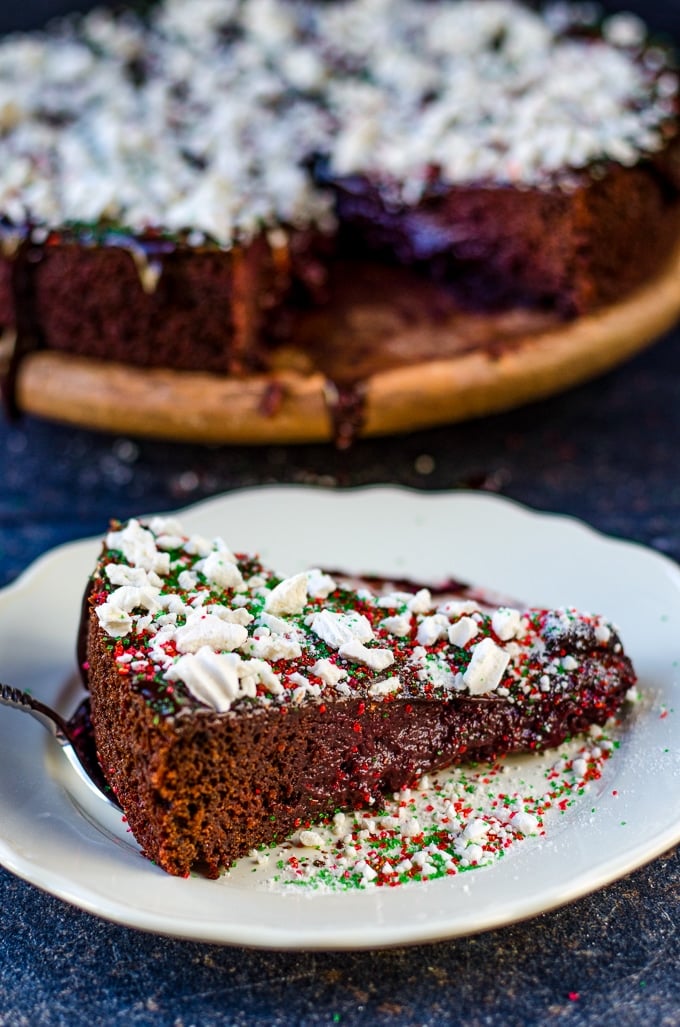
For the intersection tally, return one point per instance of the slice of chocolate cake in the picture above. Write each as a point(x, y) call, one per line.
point(230, 706)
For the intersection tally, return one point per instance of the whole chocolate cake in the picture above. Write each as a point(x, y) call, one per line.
point(231, 706)
point(176, 190)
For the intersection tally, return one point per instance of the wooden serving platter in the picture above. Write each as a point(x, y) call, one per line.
point(413, 369)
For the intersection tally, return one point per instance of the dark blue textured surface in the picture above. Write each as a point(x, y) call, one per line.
point(608, 452)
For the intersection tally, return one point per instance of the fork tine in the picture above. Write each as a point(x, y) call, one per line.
point(11, 696)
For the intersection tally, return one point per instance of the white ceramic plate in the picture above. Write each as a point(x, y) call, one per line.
point(53, 835)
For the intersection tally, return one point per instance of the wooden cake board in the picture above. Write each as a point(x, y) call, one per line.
point(294, 403)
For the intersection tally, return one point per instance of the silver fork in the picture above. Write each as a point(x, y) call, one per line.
point(73, 736)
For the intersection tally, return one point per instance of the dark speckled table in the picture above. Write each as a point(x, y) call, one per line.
point(608, 452)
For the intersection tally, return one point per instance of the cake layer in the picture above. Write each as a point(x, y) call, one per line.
point(146, 303)
point(230, 706)
point(498, 247)
point(152, 301)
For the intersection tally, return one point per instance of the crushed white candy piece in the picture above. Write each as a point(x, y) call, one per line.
point(421, 602)
point(431, 629)
point(187, 580)
point(232, 616)
point(121, 574)
point(458, 608)
point(476, 829)
point(385, 687)
point(261, 673)
point(486, 668)
point(311, 839)
point(129, 597)
point(603, 634)
point(319, 585)
point(175, 608)
point(506, 623)
point(339, 824)
point(276, 625)
point(166, 526)
point(209, 630)
point(393, 600)
point(399, 624)
point(366, 870)
point(113, 620)
point(357, 652)
point(463, 631)
point(168, 542)
point(272, 647)
point(197, 546)
point(138, 546)
point(328, 671)
point(524, 823)
point(211, 677)
point(220, 569)
point(336, 629)
point(289, 596)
